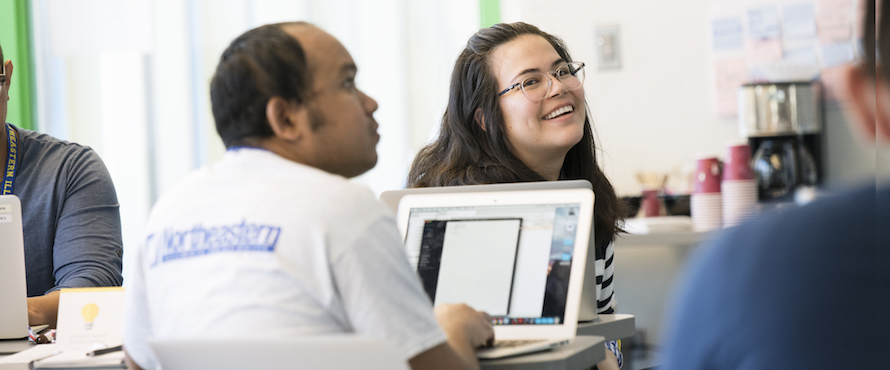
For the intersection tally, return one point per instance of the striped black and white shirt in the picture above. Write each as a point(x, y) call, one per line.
point(605, 294)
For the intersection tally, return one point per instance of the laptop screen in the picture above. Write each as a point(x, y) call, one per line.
point(13, 286)
point(512, 261)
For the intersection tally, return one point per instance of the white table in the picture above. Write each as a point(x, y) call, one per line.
point(611, 327)
point(584, 352)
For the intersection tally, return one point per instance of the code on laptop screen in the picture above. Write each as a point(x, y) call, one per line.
point(510, 261)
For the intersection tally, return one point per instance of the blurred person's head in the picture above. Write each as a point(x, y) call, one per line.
point(290, 88)
point(865, 86)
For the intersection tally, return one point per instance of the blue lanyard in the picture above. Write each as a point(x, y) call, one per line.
point(11, 161)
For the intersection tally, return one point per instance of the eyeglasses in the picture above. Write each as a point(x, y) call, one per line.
point(3, 75)
point(570, 75)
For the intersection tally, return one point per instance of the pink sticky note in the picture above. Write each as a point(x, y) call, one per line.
point(765, 50)
point(729, 75)
point(834, 26)
point(834, 5)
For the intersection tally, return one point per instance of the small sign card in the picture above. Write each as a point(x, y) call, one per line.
point(90, 316)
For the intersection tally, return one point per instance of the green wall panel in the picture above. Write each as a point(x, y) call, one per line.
point(15, 37)
point(489, 13)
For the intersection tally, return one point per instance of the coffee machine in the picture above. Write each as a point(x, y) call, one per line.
point(783, 124)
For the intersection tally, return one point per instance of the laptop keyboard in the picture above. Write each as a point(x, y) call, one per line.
point(514, 343)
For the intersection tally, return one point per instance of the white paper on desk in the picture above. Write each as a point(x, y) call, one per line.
point(78, 358)
point(31, 354)
point(653, 225)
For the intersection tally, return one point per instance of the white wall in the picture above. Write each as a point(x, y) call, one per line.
point(656, 112)
point(131, 79)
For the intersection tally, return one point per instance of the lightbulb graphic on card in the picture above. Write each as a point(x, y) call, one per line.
point(89, 312)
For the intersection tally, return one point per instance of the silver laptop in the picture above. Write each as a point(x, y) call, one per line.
point(13, 286)
point(518, 255)
point(335, 352)
point(391, 198)
point(588, 309)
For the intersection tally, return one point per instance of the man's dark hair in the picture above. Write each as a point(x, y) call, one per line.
point(465, 154)
point(262, 63)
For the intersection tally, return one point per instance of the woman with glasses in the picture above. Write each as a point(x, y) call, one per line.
point(516, 112)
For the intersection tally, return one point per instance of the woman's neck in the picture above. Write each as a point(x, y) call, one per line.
point(548, 167)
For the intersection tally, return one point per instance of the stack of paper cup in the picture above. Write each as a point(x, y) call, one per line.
point(650, 205)
point(739, 187)
point(706, 202)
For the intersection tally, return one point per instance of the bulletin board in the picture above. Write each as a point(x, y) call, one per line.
point(754, 41)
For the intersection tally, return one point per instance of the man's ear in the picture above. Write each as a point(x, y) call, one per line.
point(480, 119)
point(287, 120)
point(8, 74)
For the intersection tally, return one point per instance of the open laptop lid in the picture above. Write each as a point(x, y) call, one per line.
point(519, 254)
point(391, 198)
point(13, 286)
point(589, 307)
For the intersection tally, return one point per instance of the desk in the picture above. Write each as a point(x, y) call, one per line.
point(612, 327)
point(679, 238)
point(584, 352)
point(11, 346)
point(650, 265)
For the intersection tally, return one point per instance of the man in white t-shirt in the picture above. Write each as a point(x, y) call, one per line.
point(273, 241)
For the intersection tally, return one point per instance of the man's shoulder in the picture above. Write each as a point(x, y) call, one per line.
point(49, 161)
point(270, 181)
point(46, 148)
point(297, 179)
point(34, 139)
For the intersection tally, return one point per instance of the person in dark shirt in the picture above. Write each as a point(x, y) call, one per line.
point(70, 212)
point(805, 288)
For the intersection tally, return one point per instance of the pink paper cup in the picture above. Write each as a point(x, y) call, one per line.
point(707, 176)
point(738, 163)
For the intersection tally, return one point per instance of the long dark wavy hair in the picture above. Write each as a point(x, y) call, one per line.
point(465, 154)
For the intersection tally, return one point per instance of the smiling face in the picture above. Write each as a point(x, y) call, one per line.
point(541, 132)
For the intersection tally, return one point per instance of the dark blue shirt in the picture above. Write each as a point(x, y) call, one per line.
point(70, 214)
point(796, 289)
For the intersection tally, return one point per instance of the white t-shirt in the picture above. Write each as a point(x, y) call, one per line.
point(258, 246)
